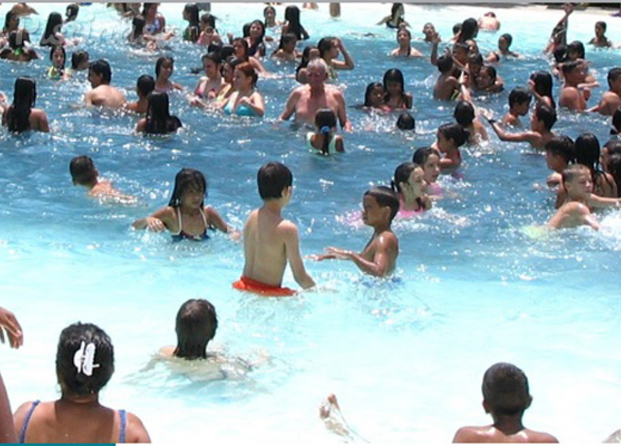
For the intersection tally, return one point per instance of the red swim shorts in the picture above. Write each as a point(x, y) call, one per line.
point(254, 286)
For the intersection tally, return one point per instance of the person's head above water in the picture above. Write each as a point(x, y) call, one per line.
point(196, 325)
point(187, 181)
point(374, 95)
point(317, 72)
point(545, 115)
point(275, 181)
point(577, 181)
point(505, 391)
point(464, 113)
point(542, 84)
point(587, 150)
point(83, 171)
point(79, 60)
point(469, 29)
point(145, 85)
point(58, 56)
point(53, 26)
point(445, 64)
point(24, 96)
point(453, 132)
point(559, 152)
point(429, 159)
point(520, 98)
point(71, 13)
point(165, 66)
point(575, 50)
point(99, 73)
point(84, 360)
point(386, 199)
point(406, 121)
point(401, 177)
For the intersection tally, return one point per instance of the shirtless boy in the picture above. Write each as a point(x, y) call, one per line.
point(304, 101)
point(505, 397)
point(271, 241)
point(572, 95)
point(519, 104)
point(559, 153)
point(447, 86)
point(102, 94)
point(379, 257)
point(611, 100)
point(541, 122)
point(144, 86)
point(576, 210)
point(84, 173)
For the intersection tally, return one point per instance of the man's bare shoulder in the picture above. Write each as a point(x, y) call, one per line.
point(472, 434)
point(539, 437)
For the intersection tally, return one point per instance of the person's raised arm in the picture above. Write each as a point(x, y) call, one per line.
point(596, 201)
point(292, 249)
point(435, 41)
point(385, 250)
point(255, 102)
point(385, 20)
point(348, 63)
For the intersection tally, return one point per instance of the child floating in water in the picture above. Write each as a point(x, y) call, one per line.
point(506, 398)
point(324, 141)
point(58, 57)
point(84, 173)
point(580, 200)
point(450, 138)
point(186, 216)
point(409, 184)
point(379, 257)
point(271, 241)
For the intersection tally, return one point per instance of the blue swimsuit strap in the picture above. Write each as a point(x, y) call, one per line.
point(22, 435)
point(123, 416)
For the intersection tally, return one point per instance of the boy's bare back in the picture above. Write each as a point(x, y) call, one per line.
point(491, 434)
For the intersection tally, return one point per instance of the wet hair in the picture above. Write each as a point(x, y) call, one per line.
point(24, 96)
point(285, 39)
point(574, 170)
point(613, 74)
point(469, 29)
point(187, 179)
point(268, 8)
point(145, 85)
point(402, 175)
point(394, 75)
point(305, 57)
point(613, 147)
point(445, 63)
point(159, 120)
point(258, 22)
point(191, 9)
point(587, 151)
point(257, 45)
point(273, 179)
point(248, 71)
point(16, 39)
point(546, 114)
point(562, 146)
point(519, 95)
point(161, 61)
point(62, 50)
point(101, 68)
point(455, 132)
point(543, 84)
point(292, 16)
point(576, 47)
point(325, 121)
point(385, 197)
point(422, 154)
point(213, 56)
point(560, 54)
point(146, 7)
point(405, 30)
point(7, 19)
point(569, 67)
point(71, 340)
point(616, 122)
point(71, 13)
point(508, 38)
point(614, 168)
point(395, 8)
point(477, 59)
point(196, 325)
point(505, 389)
point(406, 121)
point(53, 26)
point(456, 28)
point(138, 25)
point(464, 113)
point(491, 71)
point(77, 58)
point(324, 45)
point(367, 94)
point(602, 24)
point(225, 52)
point(243, 43)
point(82, 170)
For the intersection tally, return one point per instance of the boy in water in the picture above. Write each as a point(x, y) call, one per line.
point(519, 104)
point(144, 86)
point(447, 86)
point(611, 100)
point(541, 122)
point(576, 210)
point(84, 173)
point(379, 257)
point(559, 153)
point(505, 397)
point(269, 240)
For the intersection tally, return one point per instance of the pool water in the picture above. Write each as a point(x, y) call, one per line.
point(475, 284)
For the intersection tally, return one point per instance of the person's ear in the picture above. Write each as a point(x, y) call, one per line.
point(528, 402)
point(486, 407)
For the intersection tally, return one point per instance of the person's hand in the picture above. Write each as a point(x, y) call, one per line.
point(338, 43)
point(568, 8)
point(195, 101)
point(9, 323)
point(155, 224)
point(435, 38)
point(245, 101)
point(338, 253)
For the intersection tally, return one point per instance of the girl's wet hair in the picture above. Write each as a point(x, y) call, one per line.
point(560, 54)
point(395, 9)
point(367, 94)
point(402, 175)
point(53, 26)
point(305, 57)
point(455, 132)
point(71, 340)
point(7, 19)
point(456, 28)
point(62, 50)
point(187, 179)
point(71, 13)
point(507, 38)
point(614, 168)
point(422, 154)
point(146, 7)
point(404, 30)
point(543, 84)
point(77, 58)
point(196, 325)
point(268, 8)
point(244, 45)
point(464, 113)
point(602, 24)
point(587, 151)
point(324, 45)
point(191, 9)
point(145, 84)
point(292, 17)
point(325, 121)
point(24, 96)
point(138, 25)
point(469, 30)
point(385, 197)
point(394, 75)
point(576, 47)
point(248, 71)
point(406, 121)
point(161, 61)
point(159, 120)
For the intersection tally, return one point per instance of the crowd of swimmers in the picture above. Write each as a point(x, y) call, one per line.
point(584, 177)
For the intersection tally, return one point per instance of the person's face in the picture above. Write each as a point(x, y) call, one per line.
point(485, 79)
point(578, 75)
point(599, 30)
point(416, 182)
point(372, 212)
point(522, 109)
point(166, 70)
point(14, 23)
point(503, 45)
point(313, 54)
point(334, 51)
point(429, 30)
point(94, 79)
point(192, 198)
point(474, 67)
point(461, 55)
point(238, 47)
point(58, 59)
point(210, 67)
point(377, 97)
point(241, 80)
point(403, 37)
point(269, 14)
point(400, 11)
point(84, 64)
point(432, 168)
point(256, 30)
point(580, 186)
point(393, 88)
point(316, 76)
point(553, 161)
point(443, 142)
point(227, 73)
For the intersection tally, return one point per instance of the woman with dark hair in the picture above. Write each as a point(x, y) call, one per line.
point(11, 23)
point(155, 22)
point(71, 13)
point(329, 48)
point(469, 30)
point(395, 95)
point(58, 57)
point(192, 31)
point(292, 23)
point(196, 324)
point(310, 52)
point(466, 117)
point(269, 14)
point(21, 116)
point(17, 50)
point(210, 85)
point(404, 39)
point(587, 152)
point(158, 120)
point(240, 50)
point(246, 99)
point(164, 68)
point(52, 34)
point(209, 33)
point(395, 19)
point(540, 85)
point(84, 365)
point(256, 33)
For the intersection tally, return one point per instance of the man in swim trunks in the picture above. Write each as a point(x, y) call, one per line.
point(269, 240)
point(304, 101)
point(102, 94)
point(611, 100)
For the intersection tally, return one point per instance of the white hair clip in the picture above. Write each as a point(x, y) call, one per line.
point(84, 357)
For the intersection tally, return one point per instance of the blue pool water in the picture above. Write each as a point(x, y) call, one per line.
point(405, 357)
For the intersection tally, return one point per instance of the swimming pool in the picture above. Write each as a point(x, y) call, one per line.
point(405, 357)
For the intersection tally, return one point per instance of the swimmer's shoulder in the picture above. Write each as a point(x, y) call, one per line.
point(474, 434)
point(135, 432)
point(538, 437)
